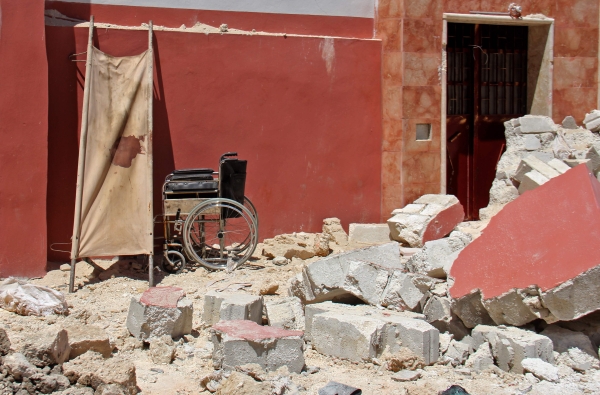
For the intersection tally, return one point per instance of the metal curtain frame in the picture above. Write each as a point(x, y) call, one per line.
point(82, 153)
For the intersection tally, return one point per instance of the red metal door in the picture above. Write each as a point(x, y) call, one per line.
point(498, 59)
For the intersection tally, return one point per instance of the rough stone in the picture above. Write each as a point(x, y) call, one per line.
point(578, 360)
point(162, 349)
point(481, 359)
point(18, 366)
point(361, 273)
point(369, 233)
point(536, 124)
point(160, 311)
point(333, 228)
point(406, 375)
point(4, 342)
point(92, 370)
point(240, 384)
point(569, 123)
point(110, 389)
point(280, 261)
point(511, 345)
point(220, 306)
point(297, 245)
point(532, 142)
point(458, 352)
point(540, 369)
point(523, 248)
point(402, 359)
point(268, 288)
point(592, 121)
point(49, 347)
point(564, 339)
point(511, 308)
point(83, 338)
point(438, 216)
point(437, 255)
point(286, 313)
point(402, 292)
point(438, 312)
point(470, 310)
point(242, 342)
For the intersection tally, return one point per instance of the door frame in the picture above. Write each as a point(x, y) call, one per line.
point(539, 60)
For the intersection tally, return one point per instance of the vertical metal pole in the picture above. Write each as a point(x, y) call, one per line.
point(150, 160)
point(81, 162)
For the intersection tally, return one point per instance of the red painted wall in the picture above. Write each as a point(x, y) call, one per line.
point(261, 22)
point(23, 127)
point(312, 137)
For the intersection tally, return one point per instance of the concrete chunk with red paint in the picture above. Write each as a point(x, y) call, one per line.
point(239, 342)
point(538, 255)
point(160, 311)
point(430, 217)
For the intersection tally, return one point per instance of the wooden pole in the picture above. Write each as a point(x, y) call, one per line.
point(81, 162)
point(150, 160)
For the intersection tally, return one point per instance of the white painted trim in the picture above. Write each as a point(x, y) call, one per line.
point(349, 8)
point(496, 19)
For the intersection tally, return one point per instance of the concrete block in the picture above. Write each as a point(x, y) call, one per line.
point(160, 311)
point(83, 338)
point(49, 347)
point(530, 181)
point(435, 255)
point(524, 247)
point(220, 306)
point(532, 142)
point(531, 163)
point(355, 338)
point(438, 312)
point(286, 313)
point(429, 218)
point(563, 339)
point(536, 124)
point(470, 310)
point(569, 123)
point(511, 345)
point(242, 342)
point(592, 121)
point(369, 233)
point(361, 273)
point(559, 165)
point(417, 335)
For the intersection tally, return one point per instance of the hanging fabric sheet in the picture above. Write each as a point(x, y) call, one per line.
point(116, 204)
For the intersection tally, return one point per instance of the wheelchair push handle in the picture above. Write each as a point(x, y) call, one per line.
point(226, 155)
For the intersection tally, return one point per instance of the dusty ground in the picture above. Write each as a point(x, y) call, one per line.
point(104, 302)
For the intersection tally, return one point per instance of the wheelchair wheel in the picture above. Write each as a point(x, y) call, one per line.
point(250, 206)
point(173, 262)
point(220, 234)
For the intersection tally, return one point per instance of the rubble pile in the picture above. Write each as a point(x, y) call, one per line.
point(419, 305)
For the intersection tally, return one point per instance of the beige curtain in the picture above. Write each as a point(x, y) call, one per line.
point(116, 210)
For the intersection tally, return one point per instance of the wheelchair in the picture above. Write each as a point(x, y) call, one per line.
point(207, 218)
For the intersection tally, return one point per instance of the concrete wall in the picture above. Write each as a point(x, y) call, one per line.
point(304, 111)
point(412, 32)
point(23, 129)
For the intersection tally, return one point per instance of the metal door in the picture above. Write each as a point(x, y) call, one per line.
point(486, 86)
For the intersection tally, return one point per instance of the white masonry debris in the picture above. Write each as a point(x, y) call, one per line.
point(286, 313)
point(220, 306)
point(369, 233)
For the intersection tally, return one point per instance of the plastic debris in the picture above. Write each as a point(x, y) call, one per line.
point(29, 299)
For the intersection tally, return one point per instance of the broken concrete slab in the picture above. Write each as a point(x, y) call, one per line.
point(361, 273)
point(578, 360)
point(286, 313)
point(160, 311)
point(511, 345)
point(438, 312)
point(437, 255)
point(536, 124)
point(369, 233)
point(436, 217)
point(523, 247)
point(222, 306)
point(471, 311)
point(91, 369)
point(402, 292)
point(540, 369)
point(238, 343)
point(83, 338)
point(592, 121)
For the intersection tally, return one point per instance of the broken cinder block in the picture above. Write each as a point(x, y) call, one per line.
point(160, 311)
point(238, 343)
point(286, 313)
point(221, 306)
point(592, 121)
point(430, 217)
point(369, 233)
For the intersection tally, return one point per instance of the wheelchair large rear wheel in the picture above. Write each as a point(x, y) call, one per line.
point(220, 234)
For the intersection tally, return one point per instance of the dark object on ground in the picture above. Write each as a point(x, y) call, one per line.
point(454, 390)
point(333, 388)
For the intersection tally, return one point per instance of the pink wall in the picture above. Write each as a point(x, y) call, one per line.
point(304, 111)
point(23, 127)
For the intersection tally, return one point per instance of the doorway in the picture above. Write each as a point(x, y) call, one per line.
point(486, 86)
